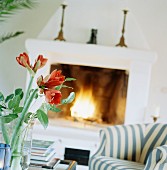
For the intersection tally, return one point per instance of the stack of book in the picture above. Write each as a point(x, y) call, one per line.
point(43, 154)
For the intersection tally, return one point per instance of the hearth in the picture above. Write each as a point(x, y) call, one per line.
point(100, 94)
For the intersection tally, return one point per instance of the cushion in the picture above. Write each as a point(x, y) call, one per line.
point(155, 135)
point(109, 163)
point(124, 141)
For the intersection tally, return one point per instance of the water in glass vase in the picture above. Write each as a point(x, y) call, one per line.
point(25, 159)
point(21, 151)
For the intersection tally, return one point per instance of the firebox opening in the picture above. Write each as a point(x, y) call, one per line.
point(100, 94)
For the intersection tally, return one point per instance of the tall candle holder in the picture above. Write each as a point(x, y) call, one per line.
point(60, 35)
point(122, 39)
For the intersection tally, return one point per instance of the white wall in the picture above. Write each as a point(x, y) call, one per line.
point(150, 16)
point(32, 22)
point(106, 16)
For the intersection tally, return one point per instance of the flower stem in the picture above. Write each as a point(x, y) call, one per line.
point(16, 163)
point(21, 120)
point(28, 89)
point(4, 132)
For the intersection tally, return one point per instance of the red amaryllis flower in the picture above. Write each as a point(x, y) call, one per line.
point(39, 63)
point(23, 59)
point(54, 79)
point(52, 96)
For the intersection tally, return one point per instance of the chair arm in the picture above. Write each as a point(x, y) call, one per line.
point(100, 150)
point(157, 159)
point(101, 147)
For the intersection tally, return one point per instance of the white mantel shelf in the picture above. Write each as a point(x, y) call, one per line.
point(137, 62)
point(74, 53)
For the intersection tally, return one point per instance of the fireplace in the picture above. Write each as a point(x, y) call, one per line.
point(100, 94)
point(137, 62)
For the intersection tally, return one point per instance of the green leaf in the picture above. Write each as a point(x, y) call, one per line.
point(2, 107)
point(42, 117)
point(31, 91)
point(58, 87)
point(36, 96)
point(9, 118)
point(10, 104)
point(35, 116)
point(19, 92)
point(18, 110)
point(62, 86)
point(53, 108)
point(9, 7)
point(27, 117)
point(69, 99)
point(70, 79)
point(1, 97)
point(14, 103)
point(9, 97)
point(10, 35)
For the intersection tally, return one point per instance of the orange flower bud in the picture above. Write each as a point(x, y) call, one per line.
point(39, 63)
point(23, 59)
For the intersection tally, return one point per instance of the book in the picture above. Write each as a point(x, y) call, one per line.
point(43, 153)
point(43, 158)
point(41, 144)
point(48, 165)
point(42, 150)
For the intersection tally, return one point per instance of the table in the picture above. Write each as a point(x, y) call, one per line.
point(66, 165)
point(63, 165)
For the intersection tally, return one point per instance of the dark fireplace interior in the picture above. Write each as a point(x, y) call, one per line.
point(100, 94)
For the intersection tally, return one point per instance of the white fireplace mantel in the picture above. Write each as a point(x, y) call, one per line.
point(138, 63)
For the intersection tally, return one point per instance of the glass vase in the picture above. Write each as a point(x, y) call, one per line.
point(20, 159)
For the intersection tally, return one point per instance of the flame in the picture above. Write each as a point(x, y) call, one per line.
point(84, 105)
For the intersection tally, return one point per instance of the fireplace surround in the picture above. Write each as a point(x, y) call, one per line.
point(137, 63)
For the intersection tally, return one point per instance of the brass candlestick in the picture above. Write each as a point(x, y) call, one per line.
point(60, 35)
point(122, 39)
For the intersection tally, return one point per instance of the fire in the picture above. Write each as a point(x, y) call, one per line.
point(84, 105)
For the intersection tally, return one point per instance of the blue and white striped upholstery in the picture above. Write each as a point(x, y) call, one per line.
point(155, 135)
point(157, 159)
point(134, 143)
point(109, 163)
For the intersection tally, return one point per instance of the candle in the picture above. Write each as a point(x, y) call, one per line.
point(157, 111)
point(65, 3)
point(124, 5)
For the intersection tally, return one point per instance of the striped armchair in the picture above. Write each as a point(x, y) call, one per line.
point(131, 147)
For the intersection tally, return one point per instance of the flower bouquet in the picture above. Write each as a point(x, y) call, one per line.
point(15, 108)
